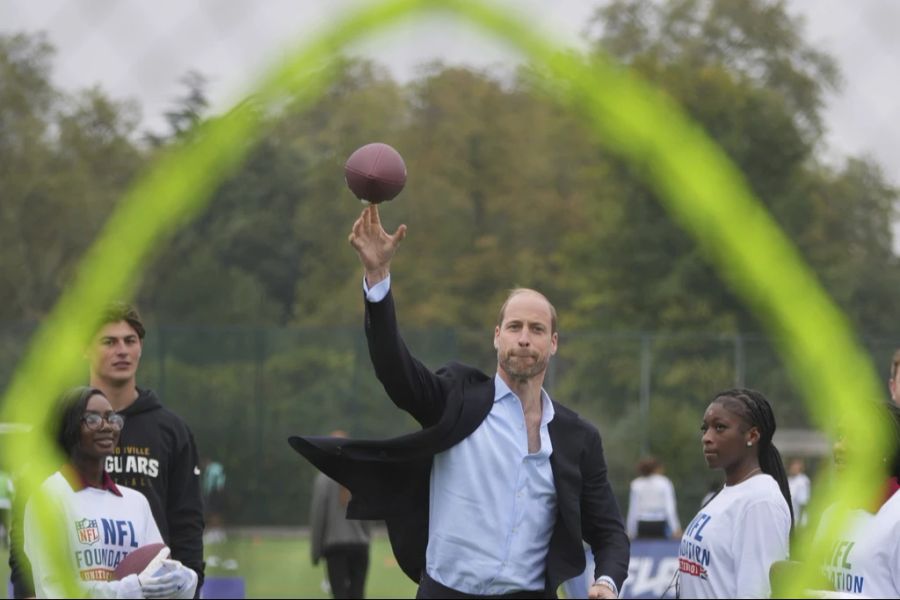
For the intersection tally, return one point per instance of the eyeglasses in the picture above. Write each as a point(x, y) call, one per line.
point(94, 419)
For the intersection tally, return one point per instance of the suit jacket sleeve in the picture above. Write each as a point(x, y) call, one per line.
point(318, 514)
point(601, 521)
point(409, 383)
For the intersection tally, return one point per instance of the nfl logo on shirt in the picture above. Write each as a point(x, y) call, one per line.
point(87, 530)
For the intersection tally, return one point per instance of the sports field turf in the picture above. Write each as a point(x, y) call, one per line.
point(279, 567)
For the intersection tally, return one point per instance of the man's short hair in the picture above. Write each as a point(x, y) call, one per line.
point(122, 311)
point(515, 292)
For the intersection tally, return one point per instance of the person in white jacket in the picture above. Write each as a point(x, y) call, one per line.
point(651, 504)
point(102, 522)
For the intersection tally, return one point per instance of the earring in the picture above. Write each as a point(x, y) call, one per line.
point(749, 444)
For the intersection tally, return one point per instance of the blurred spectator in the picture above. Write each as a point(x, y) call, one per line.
point(651, 503)
point(894, 381)
point(343, 543)
point(212, 488)
point(893, 483)
point(6, 495)
point(799, 484)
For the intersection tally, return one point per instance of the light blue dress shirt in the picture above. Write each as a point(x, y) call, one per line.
point(493, 505)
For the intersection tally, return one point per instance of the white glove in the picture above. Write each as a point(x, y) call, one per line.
point(156, 579)
point(172, 580)
point(129, 587)
point(150, 571)
point(187, 577)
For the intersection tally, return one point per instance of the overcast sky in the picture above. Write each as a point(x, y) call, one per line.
point(139, 49)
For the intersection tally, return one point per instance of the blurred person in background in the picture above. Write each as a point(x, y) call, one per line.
point(866, 557)
point(82, 490)
point(156, 453)
point(893, 483)
point(6, 502)
point(212, 486)
point(894, 381)
point(342, 542)
point(800, 487)
point(651, 504)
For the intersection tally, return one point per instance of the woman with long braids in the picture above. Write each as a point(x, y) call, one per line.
point(728, 548)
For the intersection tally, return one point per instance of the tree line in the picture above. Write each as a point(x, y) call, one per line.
point(505, 189)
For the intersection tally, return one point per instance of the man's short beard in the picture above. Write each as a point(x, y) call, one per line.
point(522, 375)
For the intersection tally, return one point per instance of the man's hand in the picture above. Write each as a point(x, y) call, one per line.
point(601, 590)
point(374, 245)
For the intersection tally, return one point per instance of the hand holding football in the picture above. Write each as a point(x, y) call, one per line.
point(137, 560)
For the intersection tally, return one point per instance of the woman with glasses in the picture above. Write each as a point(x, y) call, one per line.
point(102, 522)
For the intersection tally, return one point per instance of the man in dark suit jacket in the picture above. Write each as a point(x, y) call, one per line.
point(493, 497)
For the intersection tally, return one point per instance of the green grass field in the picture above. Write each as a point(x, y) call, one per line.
point(279, 567)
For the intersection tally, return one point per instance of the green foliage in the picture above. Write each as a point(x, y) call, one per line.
point(505, 189)
point(63, 163)
point(277, 565)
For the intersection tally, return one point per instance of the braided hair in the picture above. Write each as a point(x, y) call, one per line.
point(753, 407)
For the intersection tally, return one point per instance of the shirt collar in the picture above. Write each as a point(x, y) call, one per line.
point(78, 483)
point(501, 390)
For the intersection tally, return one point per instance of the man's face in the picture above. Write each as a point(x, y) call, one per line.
point(523, 340)
point(894, 385)
point(115, 353)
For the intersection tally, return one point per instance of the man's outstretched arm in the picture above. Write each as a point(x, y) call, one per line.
point(409, 383)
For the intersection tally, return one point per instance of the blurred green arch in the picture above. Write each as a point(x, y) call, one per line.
point(699, 187)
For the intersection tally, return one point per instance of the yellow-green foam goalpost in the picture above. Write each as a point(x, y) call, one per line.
point(698, 185)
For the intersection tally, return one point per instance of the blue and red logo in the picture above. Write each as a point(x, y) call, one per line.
point(692, 568)
point(88, 531)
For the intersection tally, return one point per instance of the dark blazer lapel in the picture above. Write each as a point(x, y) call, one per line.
point(566, 441)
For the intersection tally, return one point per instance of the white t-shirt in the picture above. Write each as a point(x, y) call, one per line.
point(800, 490)
point(728, 548)
point(652, 498)
point(101, 529)
point(868, 562)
